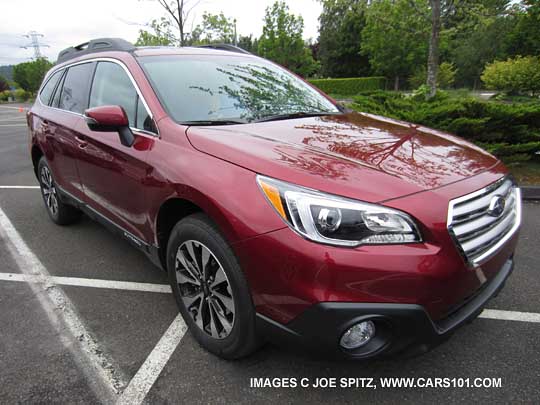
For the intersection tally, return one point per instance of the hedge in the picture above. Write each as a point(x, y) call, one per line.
point(350, 86)
point(510, 131)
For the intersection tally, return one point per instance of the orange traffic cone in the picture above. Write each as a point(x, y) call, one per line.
point(21, 109)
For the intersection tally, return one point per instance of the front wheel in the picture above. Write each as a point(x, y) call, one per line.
point(60, 212)
point(210, 288)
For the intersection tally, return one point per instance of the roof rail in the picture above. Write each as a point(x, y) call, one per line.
point(93, 46)
point(225, 47)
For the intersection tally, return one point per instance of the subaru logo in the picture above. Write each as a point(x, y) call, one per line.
point(496, 206)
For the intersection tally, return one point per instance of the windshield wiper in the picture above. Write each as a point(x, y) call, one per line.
point(300, 114)
point(213, 122)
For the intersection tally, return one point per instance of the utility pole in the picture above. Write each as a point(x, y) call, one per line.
point(34, 38)
point(235, 37)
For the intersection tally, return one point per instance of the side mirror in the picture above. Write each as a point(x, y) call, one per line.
point(110, 118)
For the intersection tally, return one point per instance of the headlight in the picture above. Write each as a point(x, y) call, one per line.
point(334, 220)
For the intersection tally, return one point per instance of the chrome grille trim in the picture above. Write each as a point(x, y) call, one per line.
point(477, 234)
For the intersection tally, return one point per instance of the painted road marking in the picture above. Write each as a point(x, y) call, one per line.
point(13, 125)
point(149, 372)
point(166, 289)
point(510, 315)
point(19, 187)
point(104, 378)
point(89, 282)
point(13, 107)
point(13, 119)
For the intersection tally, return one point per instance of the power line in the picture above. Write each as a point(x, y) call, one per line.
point(34, 37)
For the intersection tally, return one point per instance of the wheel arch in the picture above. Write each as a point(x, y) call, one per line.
point(178, 207)
point(170, 212)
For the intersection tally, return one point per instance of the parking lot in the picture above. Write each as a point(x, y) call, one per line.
point(84, 317)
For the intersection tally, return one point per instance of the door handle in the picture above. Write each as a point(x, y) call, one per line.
point(81, 140)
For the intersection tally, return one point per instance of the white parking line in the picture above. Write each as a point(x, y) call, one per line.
point(89, 282)
point(510, 315)
point(13, 107)
point(19, 187)
point(13, 125)
point(103, 377)
point(149, 372)
point(166, 289)
point(13, 119)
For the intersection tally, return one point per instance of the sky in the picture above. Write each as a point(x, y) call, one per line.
point(65, 23)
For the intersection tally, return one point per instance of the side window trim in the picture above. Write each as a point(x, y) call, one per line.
point(57, 89)
point(130, 76)
point(91, 84)
point(139, 97)
point(44, 84)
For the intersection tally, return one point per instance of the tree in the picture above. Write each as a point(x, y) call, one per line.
point(215, 28)
point(282, 42)
point(476, 32)
point(340, 33)
point(162, 34)
point(179, 12)
point(525, 36)
point(433, 55)
point(29, 75)
point(4, 85)
point(395, 37)
point(248, 43)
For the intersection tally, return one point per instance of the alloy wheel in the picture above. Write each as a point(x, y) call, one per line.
point(49, 190)
point(205, 289)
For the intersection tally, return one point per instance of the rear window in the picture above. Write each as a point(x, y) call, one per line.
point(47, 90)
point(74, 96)
point(199, 87)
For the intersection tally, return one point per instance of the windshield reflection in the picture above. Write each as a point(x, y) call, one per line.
point(236, 89)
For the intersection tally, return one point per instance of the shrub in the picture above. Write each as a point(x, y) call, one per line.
point(350, 86)
point(4, 95)
point(510, 131)
point(21, 95)
point(518, 75)
point(445, 77)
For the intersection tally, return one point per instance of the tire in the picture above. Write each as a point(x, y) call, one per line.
point(60, 212)
point(232, 334)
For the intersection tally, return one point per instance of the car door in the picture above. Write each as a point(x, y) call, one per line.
point(113, 176)
point(60, 117)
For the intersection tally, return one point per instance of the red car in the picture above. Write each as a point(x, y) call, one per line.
point(278, 214)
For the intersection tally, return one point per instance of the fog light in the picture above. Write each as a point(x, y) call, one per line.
point(358, 335)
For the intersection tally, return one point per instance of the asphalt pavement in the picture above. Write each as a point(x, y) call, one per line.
point(85, 318)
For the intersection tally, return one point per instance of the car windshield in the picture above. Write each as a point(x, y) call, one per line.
point(203, 90)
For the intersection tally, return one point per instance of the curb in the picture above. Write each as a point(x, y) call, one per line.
point(530, 192)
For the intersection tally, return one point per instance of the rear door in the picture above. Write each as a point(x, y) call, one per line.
point(60, 118)
point(113, 175)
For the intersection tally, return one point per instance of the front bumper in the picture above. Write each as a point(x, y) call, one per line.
point(399, 327)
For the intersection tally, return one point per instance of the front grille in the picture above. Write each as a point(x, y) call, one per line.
point(479, 225)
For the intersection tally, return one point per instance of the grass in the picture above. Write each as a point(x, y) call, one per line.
point(526, 173)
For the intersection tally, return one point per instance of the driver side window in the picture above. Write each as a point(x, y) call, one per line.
point(112, 86)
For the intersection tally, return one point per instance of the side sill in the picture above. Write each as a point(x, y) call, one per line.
point(151, 251)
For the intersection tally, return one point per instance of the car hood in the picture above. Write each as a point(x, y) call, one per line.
point(356, 155)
